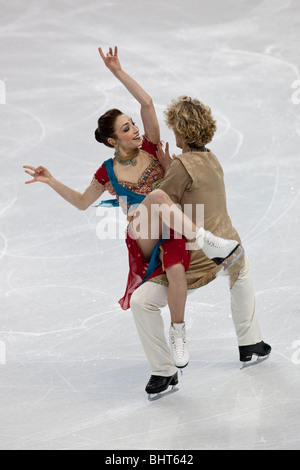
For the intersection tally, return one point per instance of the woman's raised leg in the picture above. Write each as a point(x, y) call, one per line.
point(158, 210)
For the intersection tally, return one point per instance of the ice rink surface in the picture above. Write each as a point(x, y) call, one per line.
point(72, 372)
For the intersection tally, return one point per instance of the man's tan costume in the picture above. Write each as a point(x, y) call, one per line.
point(196, 178)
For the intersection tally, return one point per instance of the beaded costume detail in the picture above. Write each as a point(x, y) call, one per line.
point(150, 176)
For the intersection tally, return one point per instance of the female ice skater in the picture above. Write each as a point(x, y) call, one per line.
point(133, 172)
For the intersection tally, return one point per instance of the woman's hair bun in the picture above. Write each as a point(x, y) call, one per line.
point(98, 136)
point(106, 127)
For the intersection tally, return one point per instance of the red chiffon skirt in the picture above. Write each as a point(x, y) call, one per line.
point(174, 251)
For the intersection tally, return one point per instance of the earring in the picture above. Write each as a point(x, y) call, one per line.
point(116, 150)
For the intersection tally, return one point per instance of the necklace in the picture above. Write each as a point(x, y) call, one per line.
point(130, 161)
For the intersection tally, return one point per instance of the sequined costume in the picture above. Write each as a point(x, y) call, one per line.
point(173, 250)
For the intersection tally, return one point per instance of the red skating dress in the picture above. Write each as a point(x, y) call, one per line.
point(173, 250)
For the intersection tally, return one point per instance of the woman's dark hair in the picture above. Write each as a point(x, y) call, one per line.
point(106, 127)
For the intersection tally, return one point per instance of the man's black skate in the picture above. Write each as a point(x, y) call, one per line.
point(157, 385)
point(261, 350)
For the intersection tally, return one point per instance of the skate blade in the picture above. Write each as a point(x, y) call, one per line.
point(254, 363)
point(239, 252)
point(158, 396)
point(181, 367)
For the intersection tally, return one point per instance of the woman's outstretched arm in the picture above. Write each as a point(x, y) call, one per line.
point(148, 113)
point(80, 200)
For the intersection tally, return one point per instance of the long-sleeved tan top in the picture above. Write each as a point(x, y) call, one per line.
point(197, 178)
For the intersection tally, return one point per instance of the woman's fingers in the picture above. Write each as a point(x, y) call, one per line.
point(29, 173)
point(107, 56)
point(38, 170)
point(101, 53)
point(29, 167)
point(110, 54)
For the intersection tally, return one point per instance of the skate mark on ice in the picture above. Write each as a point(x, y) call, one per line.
point(265, 58)
point(267, 210)
point(229, 127)
point(278, 218)
point(8, 206)
point(23, 19)
point(65, 380)
point(30, 146)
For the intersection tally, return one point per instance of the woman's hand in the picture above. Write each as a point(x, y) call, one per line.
point(111, 59)
point(163, 156)
point(40, 174)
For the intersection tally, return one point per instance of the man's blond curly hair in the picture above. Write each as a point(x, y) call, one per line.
point(192, 120)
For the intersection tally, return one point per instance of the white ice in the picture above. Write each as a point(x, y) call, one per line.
point(71, 365)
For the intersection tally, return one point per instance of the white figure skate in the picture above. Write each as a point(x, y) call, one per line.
point(219, 250)
point(178, 345)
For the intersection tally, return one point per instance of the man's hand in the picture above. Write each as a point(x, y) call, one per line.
point(109, 187)
point(163, 156)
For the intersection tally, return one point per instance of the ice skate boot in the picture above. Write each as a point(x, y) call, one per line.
point(219, 250)
point(157, 386)
point(178, 345)
point(261, 350)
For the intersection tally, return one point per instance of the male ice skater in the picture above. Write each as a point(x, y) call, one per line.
point(195, 177)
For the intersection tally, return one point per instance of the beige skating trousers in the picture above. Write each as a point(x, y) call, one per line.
point(148, 300)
